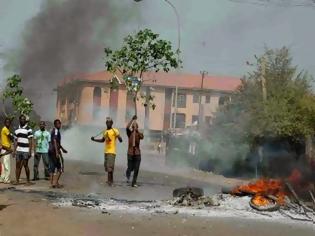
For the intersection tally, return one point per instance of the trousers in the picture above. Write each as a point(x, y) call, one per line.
point(133, 165)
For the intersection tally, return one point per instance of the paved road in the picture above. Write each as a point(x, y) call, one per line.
point(156, 181)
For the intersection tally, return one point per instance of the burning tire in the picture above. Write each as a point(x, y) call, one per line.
point(261, 203)
point(196, 192)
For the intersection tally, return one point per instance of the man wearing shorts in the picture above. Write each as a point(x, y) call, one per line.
point(23, 148)
point(55, 156)
point(109, 137)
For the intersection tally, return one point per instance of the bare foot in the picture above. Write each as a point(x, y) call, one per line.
point(59, 186)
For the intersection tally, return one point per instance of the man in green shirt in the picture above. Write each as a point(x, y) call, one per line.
point(42, 139)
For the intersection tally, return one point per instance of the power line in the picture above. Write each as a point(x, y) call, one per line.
point(278, 3)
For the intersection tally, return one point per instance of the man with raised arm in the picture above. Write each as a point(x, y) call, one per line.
point(134, 152)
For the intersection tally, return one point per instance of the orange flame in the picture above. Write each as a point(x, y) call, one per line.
point(261, 200)
point(261, 189)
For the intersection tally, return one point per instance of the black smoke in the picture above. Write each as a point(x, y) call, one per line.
point(67, 37)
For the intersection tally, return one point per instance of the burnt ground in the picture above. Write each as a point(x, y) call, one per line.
point(32, 206)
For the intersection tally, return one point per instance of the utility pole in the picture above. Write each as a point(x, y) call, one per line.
point(264, 94)
point(175, 110)
point(200, 112)
point(263, 78)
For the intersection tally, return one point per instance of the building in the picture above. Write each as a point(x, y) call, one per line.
point(86, 99)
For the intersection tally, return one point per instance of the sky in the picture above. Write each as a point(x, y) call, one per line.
point(218, 36)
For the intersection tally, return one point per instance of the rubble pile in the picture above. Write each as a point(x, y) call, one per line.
point(89, 203)
point(190, 199)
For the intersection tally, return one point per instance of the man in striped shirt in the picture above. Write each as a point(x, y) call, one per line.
point(23, 148)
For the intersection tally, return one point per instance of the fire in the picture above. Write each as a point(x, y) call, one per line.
point(261, 200)
point(262, 189)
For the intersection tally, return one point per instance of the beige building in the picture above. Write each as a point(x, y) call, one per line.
point(87, 99)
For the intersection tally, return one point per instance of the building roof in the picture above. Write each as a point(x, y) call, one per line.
point(163, 79)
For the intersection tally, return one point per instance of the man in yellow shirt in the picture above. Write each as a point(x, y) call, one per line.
point(6, 142)
point(109, 137)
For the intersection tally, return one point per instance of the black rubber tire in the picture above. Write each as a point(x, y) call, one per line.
point(273, 207)
point(198, 192)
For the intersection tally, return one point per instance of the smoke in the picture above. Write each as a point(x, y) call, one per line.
point(67, 37)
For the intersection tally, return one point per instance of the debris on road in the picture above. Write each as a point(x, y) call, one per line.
point(189, 200)
point(192, 197)
point(89, 203)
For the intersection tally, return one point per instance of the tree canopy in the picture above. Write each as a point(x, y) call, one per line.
point(14, 97)
point(289, 109)
point(141, 52)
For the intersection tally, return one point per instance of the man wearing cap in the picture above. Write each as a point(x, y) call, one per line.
point(109, 137)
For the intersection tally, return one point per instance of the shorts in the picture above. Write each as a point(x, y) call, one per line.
point(55, 163)
point(109, 162)
point(21, 156)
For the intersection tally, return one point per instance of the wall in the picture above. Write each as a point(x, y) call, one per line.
point(156, 117)
point(156, 120)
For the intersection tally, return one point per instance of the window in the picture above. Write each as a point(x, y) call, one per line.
point(181, 100)
point(208, 98)
point(208, 120)
point(223, 100)
point(194, 119)
point(97, 98)
point(180, 120)
point(195, 98)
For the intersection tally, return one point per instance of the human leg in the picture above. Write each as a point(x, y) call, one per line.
point(57, 163)
point(137, 161)
point(36, 164)
point(129, 167)
point(18, 167)
point(109, 167)
point(52, 168)
point(6, 168)
point(26, 168)
point(46, 164)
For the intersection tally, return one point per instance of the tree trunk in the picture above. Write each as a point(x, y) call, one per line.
point(146, 110)
point(309, 147)
point(135, 103)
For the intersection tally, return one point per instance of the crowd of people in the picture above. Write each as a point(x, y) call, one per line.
point(22, 144)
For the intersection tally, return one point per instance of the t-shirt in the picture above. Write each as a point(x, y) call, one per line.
point(42, 139)
point(110, 136)
point(22, 135)
point(134, 138)
point(54, 135)
point(5, 138)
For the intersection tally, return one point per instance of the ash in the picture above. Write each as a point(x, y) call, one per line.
point(219, 205)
